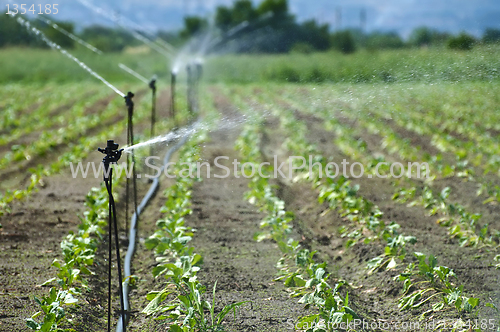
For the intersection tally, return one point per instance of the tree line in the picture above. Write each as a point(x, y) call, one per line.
point(243, 27)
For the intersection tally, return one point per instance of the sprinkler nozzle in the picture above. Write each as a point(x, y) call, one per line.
point(128, 99)
point(152, 83)
point(112, 153)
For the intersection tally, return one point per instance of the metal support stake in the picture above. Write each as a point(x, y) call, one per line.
point(172, 98)
point(198, 75)
point(152, 85)
point(112, 156)
point(189, 89)
point(130, 135)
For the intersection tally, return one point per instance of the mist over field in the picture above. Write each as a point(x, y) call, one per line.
point(227, 166)
point(387, 15)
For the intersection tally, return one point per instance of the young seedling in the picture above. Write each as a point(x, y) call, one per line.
point(426, 281)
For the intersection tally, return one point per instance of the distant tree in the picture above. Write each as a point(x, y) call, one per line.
point(424, 36)
point(315, 35)
point(384, 40)
point(302, 47)
point(12, 34)
point(170, 37)
point(56, 36)
point(108, 39)
point(421, 36)
point(461, 42)
point(279, 8)
point(270, 29)
point(243, 11)
point(229, 17)
point(223, 18)
point(491, 36)
point(343, 41)
point(193, 25)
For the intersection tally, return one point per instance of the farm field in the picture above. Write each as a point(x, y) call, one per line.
point(267, 254)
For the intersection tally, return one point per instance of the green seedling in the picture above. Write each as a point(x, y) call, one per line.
point(427, 281)
point(53, 310)
point(298, 270)
point(181, 301)
point(394, 251)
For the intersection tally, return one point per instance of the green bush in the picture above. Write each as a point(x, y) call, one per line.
point(380, 40)
point(461, 42)
point(302, 47)
point(343, 41)
point(491, 36)
point(286, 74)
point(424, 36)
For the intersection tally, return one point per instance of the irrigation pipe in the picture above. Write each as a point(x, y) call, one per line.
point(133, 229)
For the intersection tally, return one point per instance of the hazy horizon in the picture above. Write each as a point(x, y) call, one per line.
point(387, 15)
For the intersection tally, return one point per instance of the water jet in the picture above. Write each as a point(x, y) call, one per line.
point(112, 155)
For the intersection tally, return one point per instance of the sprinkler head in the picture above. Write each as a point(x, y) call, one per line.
point(112, 153)
point(111, 145)
point(128, 99)
point(152, 83)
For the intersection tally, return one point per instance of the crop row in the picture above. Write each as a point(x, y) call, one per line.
point(182, 302)
point(20, 104)
point(298, 269)
point(46, 117)
point(79, 250)
point(78, 149)
point(343, 197)
point(462, 224)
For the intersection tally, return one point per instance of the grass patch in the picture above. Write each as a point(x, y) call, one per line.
point(403, 65)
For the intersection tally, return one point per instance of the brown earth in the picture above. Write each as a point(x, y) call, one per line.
point(225, 223)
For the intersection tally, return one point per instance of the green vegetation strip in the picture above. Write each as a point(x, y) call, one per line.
point(299, 271)
point(79, 250)
point(181, 303)
point(77, 152)
point(461, 224)
point(343, 197)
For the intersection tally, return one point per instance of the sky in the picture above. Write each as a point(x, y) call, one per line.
point(401, 16)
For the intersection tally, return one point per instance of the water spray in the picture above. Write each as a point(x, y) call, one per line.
point(112, 155)
point(53, 45)
point(133, 73)
point(225, 123)
point(163, 48)
point(233, 33)
point(69, 34)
